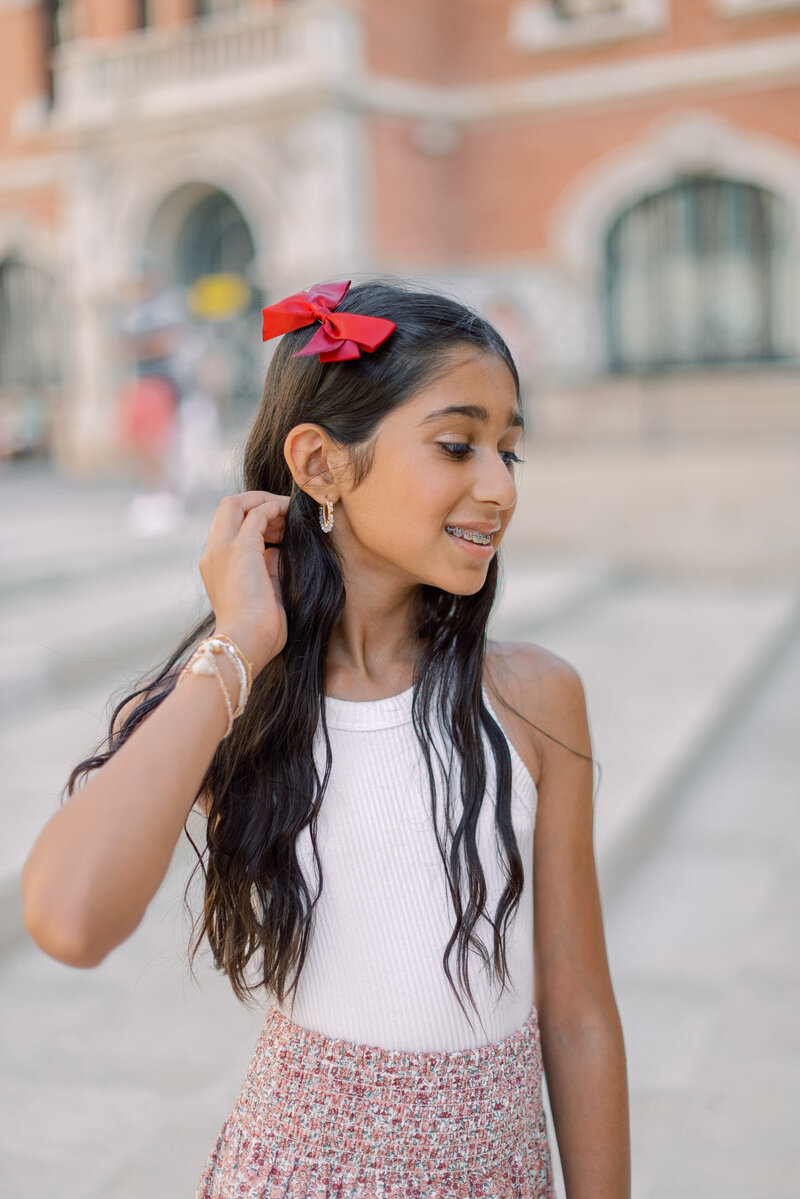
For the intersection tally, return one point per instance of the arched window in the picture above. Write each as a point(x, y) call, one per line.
point(30, 346)
point(694, 277)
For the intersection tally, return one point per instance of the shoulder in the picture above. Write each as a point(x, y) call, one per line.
point(541, 701)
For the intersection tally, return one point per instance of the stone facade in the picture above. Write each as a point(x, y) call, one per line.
point(487, 146)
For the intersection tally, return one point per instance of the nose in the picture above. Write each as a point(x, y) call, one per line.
point(494, 482)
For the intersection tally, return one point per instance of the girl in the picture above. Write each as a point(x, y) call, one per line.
point(349, 730)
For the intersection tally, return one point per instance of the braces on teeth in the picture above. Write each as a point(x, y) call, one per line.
point(470, 535)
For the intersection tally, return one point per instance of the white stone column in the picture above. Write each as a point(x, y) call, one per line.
point(87, 442)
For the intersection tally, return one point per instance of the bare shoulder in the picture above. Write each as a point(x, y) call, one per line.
point(541, 700)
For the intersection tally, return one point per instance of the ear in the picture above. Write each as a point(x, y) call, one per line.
point(310, 456)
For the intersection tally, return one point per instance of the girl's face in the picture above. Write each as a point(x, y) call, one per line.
point(434, 472)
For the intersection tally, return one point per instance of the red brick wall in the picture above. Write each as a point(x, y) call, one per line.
point(107, 18)
point(22, 75)
point(494, 196)
point(473, 36)
point(172, 12)
point(493, 199)
point(413, 39)
point(512, 177)
point(43, 206)
point(413, 220)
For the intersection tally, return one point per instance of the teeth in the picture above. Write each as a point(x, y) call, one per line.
point(470, 535)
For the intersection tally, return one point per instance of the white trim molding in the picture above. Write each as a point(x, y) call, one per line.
point(31, 171)
point(535, 26)
point(771, 61)
point(236, 162)
point(690, 142)
point(749, 8)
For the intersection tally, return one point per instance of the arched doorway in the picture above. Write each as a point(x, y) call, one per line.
point(695, 276)
point(197, 230)
point(196, 233)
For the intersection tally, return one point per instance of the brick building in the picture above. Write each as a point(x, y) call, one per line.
point(617, 182)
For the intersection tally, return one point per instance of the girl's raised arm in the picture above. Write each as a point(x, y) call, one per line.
point(101, 857)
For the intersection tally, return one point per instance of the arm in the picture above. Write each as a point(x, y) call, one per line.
point(101, 858)
point(582, 1042)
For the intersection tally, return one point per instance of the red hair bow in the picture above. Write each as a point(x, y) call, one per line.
point(343, 335)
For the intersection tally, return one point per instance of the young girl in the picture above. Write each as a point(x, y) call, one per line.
point(371, 767)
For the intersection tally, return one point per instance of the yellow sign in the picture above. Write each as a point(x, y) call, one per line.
point(218, 297)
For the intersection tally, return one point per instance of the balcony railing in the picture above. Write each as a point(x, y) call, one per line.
point(155, 72)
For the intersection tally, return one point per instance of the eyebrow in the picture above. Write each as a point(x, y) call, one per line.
point(475, 412)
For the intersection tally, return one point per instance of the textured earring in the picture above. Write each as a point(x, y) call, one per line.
point(326, 515)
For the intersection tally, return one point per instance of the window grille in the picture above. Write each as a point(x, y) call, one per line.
point(30, 350)
point(573, 9)
point(693, 277)
point(208, 8)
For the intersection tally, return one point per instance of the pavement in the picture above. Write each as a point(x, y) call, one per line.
point(117, 1080)
point(703, 940)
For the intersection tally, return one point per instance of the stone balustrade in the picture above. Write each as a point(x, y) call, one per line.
point(157, 71)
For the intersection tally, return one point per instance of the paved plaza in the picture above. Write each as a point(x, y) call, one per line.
point(116, 1080)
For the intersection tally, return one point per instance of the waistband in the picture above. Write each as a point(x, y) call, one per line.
point(277, 1025)
point(359, 1118)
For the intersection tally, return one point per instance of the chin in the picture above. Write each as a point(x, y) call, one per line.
point(460, 586)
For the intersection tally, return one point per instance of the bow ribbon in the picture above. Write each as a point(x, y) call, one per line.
point(342, 335)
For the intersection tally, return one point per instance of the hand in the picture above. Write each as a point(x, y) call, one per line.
point(241, 576)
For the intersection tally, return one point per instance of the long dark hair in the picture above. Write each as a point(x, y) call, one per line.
point(263, 783)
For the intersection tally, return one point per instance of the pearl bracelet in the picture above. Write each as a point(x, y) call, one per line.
point(243, 667)
point(202, 662)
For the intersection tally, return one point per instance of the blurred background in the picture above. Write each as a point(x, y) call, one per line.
point(616, 184)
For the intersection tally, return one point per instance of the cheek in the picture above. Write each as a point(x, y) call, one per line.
point(406, 505)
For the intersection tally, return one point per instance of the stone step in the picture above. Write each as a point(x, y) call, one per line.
point(665, 666)
point(60, 639)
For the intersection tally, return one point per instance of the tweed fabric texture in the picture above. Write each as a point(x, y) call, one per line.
point(321, 1117)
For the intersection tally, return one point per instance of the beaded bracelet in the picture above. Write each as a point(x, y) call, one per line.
point(202, 662)
point(244, 669)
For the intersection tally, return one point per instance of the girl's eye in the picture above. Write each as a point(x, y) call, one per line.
point(456, 449)
point(460, 449)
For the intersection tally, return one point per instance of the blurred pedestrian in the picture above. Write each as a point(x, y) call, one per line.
point(147, 405)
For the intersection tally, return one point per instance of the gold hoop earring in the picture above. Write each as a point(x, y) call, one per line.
point(326, 515)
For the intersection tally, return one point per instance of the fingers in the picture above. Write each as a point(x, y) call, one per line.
point(233, 510)
point(264, 523)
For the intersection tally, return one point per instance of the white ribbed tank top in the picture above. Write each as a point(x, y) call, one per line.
point(374, 972)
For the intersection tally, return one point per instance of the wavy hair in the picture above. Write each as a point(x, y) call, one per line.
point(263, 784)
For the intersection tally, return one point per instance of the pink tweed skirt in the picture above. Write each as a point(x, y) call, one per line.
point(319, 1117)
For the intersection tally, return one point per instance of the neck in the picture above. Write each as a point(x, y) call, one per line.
point(373, 652)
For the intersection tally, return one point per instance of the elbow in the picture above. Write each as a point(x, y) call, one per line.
point(63, 944)
point(60, 934)
point(567, 1014)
